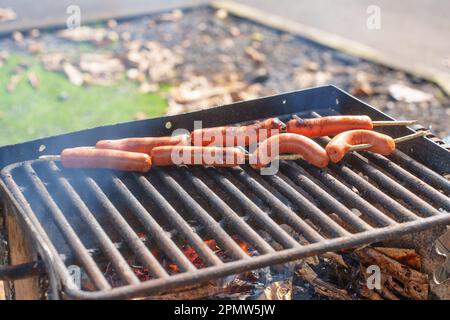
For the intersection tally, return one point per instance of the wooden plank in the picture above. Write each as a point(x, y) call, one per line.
point(20, 251)
point(2, 291)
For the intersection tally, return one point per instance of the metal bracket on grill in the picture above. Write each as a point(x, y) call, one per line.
point(22, 271)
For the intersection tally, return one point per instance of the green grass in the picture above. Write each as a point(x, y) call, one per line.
point(28, 113)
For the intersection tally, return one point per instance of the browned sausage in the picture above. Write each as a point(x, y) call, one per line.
point(192, 155)
point(235, 136)
point(108, 159)
point(340, 145)
point(328, 126)
point(143, 145)
point(290, 143)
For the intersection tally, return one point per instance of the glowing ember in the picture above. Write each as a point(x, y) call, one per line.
point(143, 273)
point(193, 257)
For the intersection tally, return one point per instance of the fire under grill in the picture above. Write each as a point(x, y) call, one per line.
point(101, 220)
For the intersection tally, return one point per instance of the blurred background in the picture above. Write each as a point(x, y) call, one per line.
point(71, 65)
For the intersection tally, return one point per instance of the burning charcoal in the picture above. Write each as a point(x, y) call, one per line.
point(321, 287)
point(400, 279)
point(408, 257)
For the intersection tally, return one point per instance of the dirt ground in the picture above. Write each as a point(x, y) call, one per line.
point(225, 59)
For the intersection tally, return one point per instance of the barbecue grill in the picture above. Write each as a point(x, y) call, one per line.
point(86, 218)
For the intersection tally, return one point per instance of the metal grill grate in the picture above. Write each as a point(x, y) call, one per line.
point(93, 217)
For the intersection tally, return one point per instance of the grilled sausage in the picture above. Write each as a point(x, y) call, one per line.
point(235, 136)
point(143, 145)
point(108, 159)
point(340, 145)
point(328, 126)
point(192, 155)
point(289, 143)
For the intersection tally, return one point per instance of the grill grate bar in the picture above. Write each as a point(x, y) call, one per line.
point(97, 277)
point(409, 179)
point(261, 217)
point(393, 187)
point(374, 194)
point(178, 222)
point(67, 231)
point(155, 231)
point(238, 224)
point(132, 240)
point(309, 209)
point(224, 240)
point(421, 171)
point(290, 217)
point(349, 196)
point(107, 246)
point(300, 176)
point(368, 188)
point(304, 211)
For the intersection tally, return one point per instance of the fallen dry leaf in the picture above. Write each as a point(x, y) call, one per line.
point(135, 75)
point(35, 33)
point(140, 115)
point(101, 68)
point(3, 56)
point(111, 23)
point(257, 36)
point(255, 55)
point(403, 93)
point(171, 16)
point(73, 74)
point(198, 88)
point(35, 47)
point(362, 85)
point(53, 61)
point(306, 79)
point(81, 34)
point(17, 36)
point(148, 87)
point(13, 82)
point(221, 14)
point(152, 58)
point(100, 63)
point(33, 80)
point(7, 14)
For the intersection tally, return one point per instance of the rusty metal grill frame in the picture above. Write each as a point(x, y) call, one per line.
point(297, 194)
